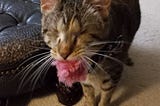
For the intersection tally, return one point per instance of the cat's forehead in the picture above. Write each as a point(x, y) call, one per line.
point(71, 13)
point(69, 8)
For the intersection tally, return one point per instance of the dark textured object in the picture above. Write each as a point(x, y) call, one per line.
point(69, 95)
point(20, 39)
point(20, 24)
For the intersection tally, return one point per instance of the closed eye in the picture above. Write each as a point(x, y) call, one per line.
point(94, 36)
point(83, 31)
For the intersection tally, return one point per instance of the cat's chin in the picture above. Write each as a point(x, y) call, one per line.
point(70, 72)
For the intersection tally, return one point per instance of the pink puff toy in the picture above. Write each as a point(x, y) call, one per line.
point(70, 72)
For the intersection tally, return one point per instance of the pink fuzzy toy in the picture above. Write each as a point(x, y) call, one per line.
point(70, 72)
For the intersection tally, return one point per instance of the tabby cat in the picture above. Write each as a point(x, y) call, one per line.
point(98, 32)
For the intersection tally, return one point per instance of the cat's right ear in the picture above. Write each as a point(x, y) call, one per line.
point(103, 6)
point(48, 5)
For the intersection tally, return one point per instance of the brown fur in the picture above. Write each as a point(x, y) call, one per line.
point(73, 29)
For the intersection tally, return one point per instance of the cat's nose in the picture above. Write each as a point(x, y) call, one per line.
point(64, 51)
point(64, 55)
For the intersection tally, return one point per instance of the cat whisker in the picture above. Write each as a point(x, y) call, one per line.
point(47, 68)
point(34, 40)
point(42, 48)
point(94, 62)
point(109, 57)
point(118, 46)
point(39, 68)
point(38, 61)
point(101, 51)
point(89, 67)
point(26, 71)
point(107, 42)
point(43, 68)
point(45, 53)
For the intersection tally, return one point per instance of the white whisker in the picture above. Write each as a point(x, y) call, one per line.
point(29, 68)
point(42, 48)
point(106, 42)
point(40, 71)
point(90, 68)
point(112, 58)
point(47, 68)
point(94, 63)
point(32, 58)
point(102, 51)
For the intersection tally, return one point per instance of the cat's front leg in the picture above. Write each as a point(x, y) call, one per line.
point(102, 85)
point(88, 98)
point(105, 95)
point(99, 93)
point(109, 84)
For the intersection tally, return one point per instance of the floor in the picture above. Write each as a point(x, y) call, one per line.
point(140, 85)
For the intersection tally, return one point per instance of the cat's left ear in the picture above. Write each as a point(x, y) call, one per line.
point(103, 6)
point(48, 5)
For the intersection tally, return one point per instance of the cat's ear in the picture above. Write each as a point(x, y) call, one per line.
point(48, 5)
point(103, 6)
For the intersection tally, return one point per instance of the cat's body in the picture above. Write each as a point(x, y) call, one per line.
point(97, 31)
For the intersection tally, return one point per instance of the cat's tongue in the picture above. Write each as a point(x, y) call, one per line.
point(70, 72)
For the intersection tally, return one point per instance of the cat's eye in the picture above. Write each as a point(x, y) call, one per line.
point(75, 34)
point(94, 36)
point(53, 34)
point(83, 31)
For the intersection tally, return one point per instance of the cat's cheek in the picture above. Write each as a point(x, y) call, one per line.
point(72, 57)
point(51, 43)
point(47, 40)
point(55, 55)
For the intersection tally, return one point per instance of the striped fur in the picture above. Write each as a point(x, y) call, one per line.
point(99, 32)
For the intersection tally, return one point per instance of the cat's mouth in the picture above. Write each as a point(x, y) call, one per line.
point(74, 69)
point(69, 72)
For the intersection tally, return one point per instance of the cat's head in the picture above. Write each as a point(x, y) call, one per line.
point(74, 28)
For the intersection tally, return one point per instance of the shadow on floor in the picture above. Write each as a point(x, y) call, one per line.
point(143, 75)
